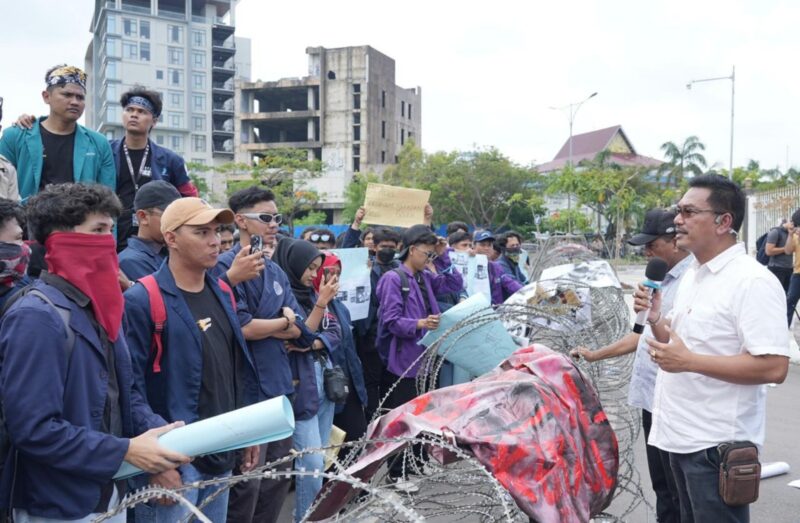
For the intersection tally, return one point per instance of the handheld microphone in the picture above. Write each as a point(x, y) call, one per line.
point(655, 273)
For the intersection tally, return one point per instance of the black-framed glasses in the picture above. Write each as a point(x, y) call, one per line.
point(430, 255)
point(264, 217)
point(316, 237)
point(688, 211)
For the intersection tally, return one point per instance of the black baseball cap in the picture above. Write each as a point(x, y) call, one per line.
point(412, 236)
point(657, 222)
point(157, 194)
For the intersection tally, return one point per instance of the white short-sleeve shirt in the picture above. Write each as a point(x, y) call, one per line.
point(730, 305)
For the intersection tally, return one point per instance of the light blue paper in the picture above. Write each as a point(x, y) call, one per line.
point(354, 283)
point(478, 348)
point(262, 422)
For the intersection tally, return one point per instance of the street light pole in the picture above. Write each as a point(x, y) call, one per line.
point(732, 78)
point(573, 111)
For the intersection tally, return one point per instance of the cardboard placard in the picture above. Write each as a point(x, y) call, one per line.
point(394, 206)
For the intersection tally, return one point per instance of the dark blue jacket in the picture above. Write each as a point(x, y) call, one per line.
point(140, 258)
point(369, 325)
point(345, 354)
point(263, 298)
point(512, 269)
point(54, 408)
point(164, 165)
point(174, 392)
point(352, 238)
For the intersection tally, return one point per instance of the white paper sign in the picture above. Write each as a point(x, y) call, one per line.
point(354, 282)
point(474, 271)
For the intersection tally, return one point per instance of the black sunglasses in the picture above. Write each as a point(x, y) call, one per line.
point(264, 217)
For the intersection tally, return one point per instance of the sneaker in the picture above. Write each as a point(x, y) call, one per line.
point(403, 485)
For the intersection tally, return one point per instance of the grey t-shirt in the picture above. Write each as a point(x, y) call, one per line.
point(778, 236)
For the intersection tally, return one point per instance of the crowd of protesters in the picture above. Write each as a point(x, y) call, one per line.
point(130, 306)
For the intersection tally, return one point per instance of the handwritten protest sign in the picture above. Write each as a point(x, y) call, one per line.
point(396, 206)
point(354, 282)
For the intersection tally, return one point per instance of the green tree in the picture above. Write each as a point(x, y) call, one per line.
point(195, 171)
point(682, 159)
point(354, 194)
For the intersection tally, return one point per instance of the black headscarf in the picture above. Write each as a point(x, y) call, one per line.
point(294, 257)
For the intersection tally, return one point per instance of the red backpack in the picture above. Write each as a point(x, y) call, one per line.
point(158, 313)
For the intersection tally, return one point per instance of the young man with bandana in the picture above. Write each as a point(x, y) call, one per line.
point(71, 410)
point(269, 315)
point(14, 253)
point(139, 159)
point(146, 251)
point(205, 368)
point(56, 149)
point(511, 247)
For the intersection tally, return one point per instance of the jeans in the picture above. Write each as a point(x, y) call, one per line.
point(792, 297)
point(312, 433)
point(697, 478)
point(216, 510)
point(667, 503)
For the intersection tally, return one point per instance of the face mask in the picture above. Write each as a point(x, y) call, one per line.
point(385, 256)
point(513, 253)
point(13, 262)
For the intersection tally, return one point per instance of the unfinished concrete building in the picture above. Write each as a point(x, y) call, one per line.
point(347, 112)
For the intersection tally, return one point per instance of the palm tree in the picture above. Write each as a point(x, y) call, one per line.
point(683, 159)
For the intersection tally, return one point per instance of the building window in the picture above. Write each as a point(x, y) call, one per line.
point(144, 52)
point(111, 93)
point(111, 70)
point(130, 50)
point(111, 24)
point(175, 77)
point(409, 111)
point(198, 102)
point(175, 120)
point(130, 27)
point(356, 118)
point(175, 34)
point(176, 142)
point(356, 133)
point(383, 98)
point(159, 74)
point(176, 99)
point(198, 59)
point(201, 161)
point(356, 101)
point(198, 123)
point(110, 134)
point(383, 156)
point(160, 139)
point(356, 150)
point(112, 47)
point(198, 143)
point(198, 80)
point(402, 108)
point(356, 164)
point(402, 136)
point(113, 114)
point(175, 55)
point(356, 88)
point(383, 129)
point(199, 38)
point(144, 29)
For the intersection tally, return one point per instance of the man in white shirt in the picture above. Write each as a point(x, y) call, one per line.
point(658, 238)
point(720, 344)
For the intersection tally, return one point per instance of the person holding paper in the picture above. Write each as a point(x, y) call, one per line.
point(404, 318)
point(501, 284)
point(269, 315)
point(313, 410)
point(71, 410)
point(204, 367)
point(349, 415)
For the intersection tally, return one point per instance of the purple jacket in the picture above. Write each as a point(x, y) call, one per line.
point(501, 283)
point(397, 321)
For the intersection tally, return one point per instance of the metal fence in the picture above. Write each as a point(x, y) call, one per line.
point(766, 210)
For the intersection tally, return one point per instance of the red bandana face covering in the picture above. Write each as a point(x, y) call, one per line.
point(89, 262)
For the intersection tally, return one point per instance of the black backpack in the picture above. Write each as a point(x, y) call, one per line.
point(761, 248)
point(382, 341)
point(64, 314)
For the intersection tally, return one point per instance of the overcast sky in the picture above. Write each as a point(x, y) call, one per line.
point(489, 71)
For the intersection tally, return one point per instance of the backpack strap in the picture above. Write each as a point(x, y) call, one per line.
point(227, 288)
point(404, 288)
point(158, 313)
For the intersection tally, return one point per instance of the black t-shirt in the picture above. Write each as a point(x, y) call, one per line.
point(57, 157)
point(126, 190)
point(220, 357)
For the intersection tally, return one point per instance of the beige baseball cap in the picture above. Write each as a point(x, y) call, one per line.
point(192, 211)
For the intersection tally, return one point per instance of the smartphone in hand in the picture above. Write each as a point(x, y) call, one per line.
point(256, 243)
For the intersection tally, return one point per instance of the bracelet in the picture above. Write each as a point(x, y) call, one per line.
point(323, 307)
point(288, 323)
point(656, 320)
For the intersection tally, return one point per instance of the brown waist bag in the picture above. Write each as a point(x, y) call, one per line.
point(739, 473)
